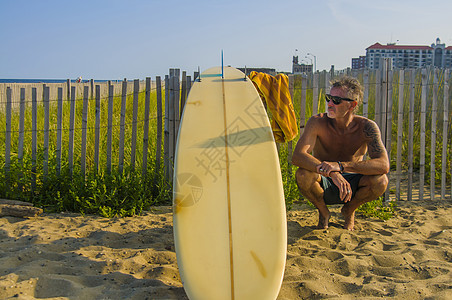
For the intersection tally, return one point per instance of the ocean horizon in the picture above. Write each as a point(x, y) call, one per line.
point(47, 80)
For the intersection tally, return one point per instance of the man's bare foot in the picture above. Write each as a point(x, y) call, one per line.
point(323, 221)
point(349, 218)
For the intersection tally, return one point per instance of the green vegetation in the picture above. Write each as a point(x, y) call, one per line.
point(378, 209)
point(101, 193)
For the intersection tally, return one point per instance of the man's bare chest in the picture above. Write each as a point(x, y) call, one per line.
point(340, 147)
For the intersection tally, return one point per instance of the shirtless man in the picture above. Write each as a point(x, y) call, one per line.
point(330, 155)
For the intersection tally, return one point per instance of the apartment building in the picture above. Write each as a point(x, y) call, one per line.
point(298, 68)
point(359, 62)
point(410, 56)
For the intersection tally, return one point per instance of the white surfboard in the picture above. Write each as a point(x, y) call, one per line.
point(229, 212)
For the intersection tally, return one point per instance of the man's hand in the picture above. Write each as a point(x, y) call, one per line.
point(326, 167)
point(345, 191)
point(332, 169)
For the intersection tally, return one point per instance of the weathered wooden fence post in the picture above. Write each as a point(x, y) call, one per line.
point(176, 111)
point(158, 155)
point(68, 91)
point(445, 135)
point(110, 127)
point(8, 133)
point(91, 85)
point(188, 84)
point(20, 145)
point(289, 144)
point(168, 122)
point(327, 87)
point(366, 93)
point(388, 121)
point(304, 87)
point(315, 94)
point(59, 148)
point(183, 95)
point(422, 144)
point(20, 150)
point(133, 146)
point(147, 100)
point(172, 122)
point(71, 132)
point(384, 100)
point(34, 135)
point(378, 101)
point(46, 131)
point(97, 131)
point(84, 130)
point(122, 126)
point(411, 134)
point(433, 134)
point(399, 133)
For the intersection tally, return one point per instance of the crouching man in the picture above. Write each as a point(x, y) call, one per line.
point(330, 155)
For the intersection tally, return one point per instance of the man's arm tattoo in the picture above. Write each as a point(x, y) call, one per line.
point(375, 146)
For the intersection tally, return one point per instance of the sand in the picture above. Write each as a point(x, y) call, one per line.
point(70, 256)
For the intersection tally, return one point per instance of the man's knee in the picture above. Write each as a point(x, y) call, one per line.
point(377, 183)
point(381, 183)
point(305, 179)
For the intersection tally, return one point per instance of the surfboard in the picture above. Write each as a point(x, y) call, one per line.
point(229, 212)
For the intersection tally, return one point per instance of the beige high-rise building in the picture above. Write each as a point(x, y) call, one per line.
point(410, 56)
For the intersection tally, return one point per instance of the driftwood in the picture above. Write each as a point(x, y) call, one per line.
point(15, 202)
point(16, 208)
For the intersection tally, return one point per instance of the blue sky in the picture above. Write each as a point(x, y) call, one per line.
point(56, 39)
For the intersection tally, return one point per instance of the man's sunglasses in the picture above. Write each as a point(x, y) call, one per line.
point(336, 99)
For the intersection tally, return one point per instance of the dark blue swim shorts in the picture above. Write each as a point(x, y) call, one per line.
point(331, 191)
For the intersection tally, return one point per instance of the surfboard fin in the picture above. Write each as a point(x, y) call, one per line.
point(222, 65)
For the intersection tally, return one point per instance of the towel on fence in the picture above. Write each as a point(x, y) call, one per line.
point(275, 92)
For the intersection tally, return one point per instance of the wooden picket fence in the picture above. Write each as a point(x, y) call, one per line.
point(172, 92)
point(91, 92)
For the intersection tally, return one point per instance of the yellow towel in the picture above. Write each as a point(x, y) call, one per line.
point(275, 92)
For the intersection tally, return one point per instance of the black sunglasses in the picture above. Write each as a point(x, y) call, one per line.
point(336, 99)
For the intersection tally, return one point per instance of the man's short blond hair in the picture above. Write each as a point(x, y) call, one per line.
point(352, 86)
